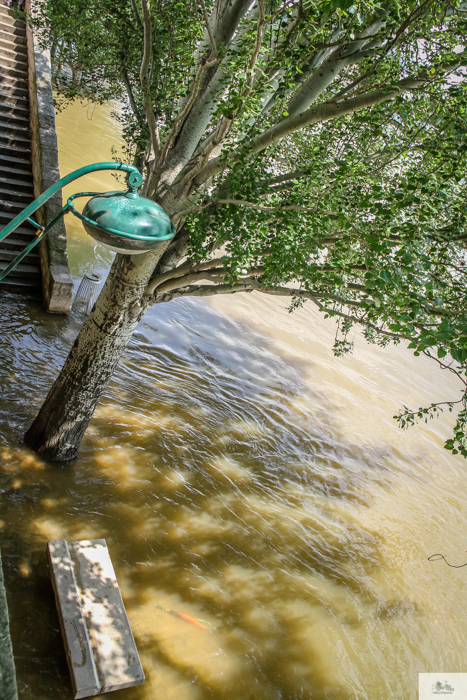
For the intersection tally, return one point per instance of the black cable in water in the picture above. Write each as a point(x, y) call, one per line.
point(440, 556)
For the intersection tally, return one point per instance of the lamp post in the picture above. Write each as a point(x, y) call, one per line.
point(120, 220)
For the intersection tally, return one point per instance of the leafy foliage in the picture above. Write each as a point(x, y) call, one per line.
point(310, 149)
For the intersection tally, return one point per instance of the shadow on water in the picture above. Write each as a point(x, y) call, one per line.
point(229, 504)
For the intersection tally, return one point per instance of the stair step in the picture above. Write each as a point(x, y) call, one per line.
point(10, 67)
point(11, 55)
point(25, 235)
point(7, 205)
point(16, 119)
point(5, 14)
point(10, 19)
point(26, 176)
point(24, 238)
point(17, 27)
point(25, 185)
point(13, 207)
point(12, 88)
point(19, 103)
point(17, 282)
point(25, 289)
point(16, 101)
point(19, 81)
point(20, 163)
point(12, 43)
point(23, 267)
point(9, 62)
point(21, 150)
point(15, 137)
point(6, 217)
point(15, 38)
point(16, 131)
point(6, 255)
point(17, 31)
point(6, 42)
point(19, 108)
point(21, 239)
point(12, 193)
point(16, 183)
point(16, 243)
point(14, 142)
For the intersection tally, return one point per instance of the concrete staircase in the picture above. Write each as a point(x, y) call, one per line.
point(16, 179)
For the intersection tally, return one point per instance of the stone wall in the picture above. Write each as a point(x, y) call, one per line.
point(8, 689)
point(57, 283)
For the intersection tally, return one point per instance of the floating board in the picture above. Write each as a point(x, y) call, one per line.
point(101, 651)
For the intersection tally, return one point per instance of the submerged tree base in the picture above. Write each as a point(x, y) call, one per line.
point(57, 431)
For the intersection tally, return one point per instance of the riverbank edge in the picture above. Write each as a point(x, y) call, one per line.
point(8, 689)
point(57, 282)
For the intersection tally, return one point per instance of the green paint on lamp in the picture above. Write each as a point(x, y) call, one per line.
point(125, 222)
point(121, 221)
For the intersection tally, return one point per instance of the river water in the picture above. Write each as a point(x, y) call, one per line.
point(245, 479)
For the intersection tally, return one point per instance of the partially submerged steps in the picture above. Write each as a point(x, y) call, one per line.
point(29, 165)
point(16, 176)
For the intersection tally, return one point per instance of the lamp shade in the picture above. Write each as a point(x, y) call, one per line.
point(126, 222)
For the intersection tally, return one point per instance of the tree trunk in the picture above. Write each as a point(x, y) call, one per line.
point(57, 431)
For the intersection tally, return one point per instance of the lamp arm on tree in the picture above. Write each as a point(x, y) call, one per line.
point(134, 180)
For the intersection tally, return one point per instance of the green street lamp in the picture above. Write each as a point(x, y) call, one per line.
point(121, 220)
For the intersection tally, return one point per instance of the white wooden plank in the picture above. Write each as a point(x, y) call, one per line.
point(111, 646)
point(77, 643)
point(115, 654)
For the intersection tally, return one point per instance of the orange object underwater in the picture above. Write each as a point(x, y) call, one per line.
point(184, 617)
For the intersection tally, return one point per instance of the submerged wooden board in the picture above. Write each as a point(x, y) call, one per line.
point(101, 651)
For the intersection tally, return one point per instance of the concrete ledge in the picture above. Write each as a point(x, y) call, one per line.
point(100, 648)
point(8, 689)
point(57, 283)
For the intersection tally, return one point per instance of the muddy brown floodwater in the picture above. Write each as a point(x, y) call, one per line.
point(245, 479)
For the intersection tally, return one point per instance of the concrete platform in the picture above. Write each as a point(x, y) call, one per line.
point(8, 690)
point(100, 647)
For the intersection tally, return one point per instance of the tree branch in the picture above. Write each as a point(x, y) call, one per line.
point(290, 292)
point(181, 282)
point(204, 65)
point(225, 30)
point(208, 28)
point(176, 250)
point(293, 175)
point(314, 115)
point(136, 14)
point(252, 205)
point(257, 47)
point(144, 77)
point(208, 290)
point(321, 78)
point(253, 285)
point(131, 96)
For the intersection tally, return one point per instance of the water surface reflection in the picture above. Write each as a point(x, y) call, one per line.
point(268, 525)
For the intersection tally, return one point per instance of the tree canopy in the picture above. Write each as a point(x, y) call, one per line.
point(311, 149)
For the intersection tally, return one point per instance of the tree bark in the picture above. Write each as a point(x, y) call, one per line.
point(57, 431)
